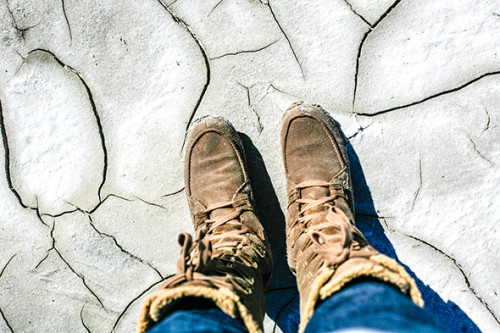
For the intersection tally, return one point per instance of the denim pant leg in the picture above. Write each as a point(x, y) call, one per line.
point(371, 306)
point(211, 320)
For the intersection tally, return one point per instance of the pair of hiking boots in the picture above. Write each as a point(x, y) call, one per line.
point(229, 261)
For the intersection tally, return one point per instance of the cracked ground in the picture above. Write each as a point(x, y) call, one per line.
point(97, 97)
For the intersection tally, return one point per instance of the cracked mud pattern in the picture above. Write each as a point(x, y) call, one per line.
point(97, 97)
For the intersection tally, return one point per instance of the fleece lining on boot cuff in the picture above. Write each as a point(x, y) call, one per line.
point(379, 266)
point(157, 304)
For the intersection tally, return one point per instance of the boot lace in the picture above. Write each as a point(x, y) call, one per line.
point(335, 238)
point(209, 257)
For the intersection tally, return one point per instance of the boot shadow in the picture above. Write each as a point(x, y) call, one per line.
point(282, 295)
point(449, 315)
point(270, 215)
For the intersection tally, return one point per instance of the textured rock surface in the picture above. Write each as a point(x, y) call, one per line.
point(96, 98)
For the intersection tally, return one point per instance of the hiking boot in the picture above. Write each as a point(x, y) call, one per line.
point(325, 249)
point(229, 262)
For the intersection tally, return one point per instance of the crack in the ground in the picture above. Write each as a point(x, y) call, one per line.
point(101, 133)
point(37, 211)
point(149, 203)
point(44, 258)
point(15, 25)
point(478, 152)
point(40, 215)
point(89, 212)
point(7, 264)
point(101, 202)
point(133, 300)
point(287, 39)
point(94, 111)
point(21, 56)
point(51, 247)
point(457, 265)
point(6, 321)
point(360, 130)
point(278, 90)
point(82, 278)
point(215, 7)
point(355, 134)
point(245, 51)
point(247, 89)
point(23, 31)
point(417, 192)
point(102, 234)
point(429, 97)
point(67, 21)
point(183, 24)
point(260, 126)
point(115, 241)
point(81, 319)
point(372, 28)
point(14, 22)
point(488, 119)
point(358, 14)
point(59, 214)
point(173, 193)
point(5, 141)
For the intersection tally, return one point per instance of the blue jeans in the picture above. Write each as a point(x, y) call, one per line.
point(367, 306)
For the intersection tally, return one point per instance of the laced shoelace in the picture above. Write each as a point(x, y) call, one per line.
point(334, 238)
point(197, 257)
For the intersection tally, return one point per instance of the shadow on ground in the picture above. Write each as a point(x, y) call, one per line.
point(449, 314)
point(270, 214)
point(281, 295)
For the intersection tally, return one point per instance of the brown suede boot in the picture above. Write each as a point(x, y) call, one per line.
point(325, 249)
point(229, 262)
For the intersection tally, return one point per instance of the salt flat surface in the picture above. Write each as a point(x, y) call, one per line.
point(96, 98)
